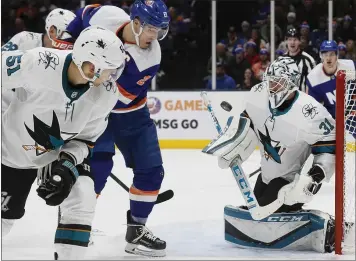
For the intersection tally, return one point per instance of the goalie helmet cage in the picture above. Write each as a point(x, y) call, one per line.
point(345, 162)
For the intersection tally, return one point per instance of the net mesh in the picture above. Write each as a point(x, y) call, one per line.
point(348, 244)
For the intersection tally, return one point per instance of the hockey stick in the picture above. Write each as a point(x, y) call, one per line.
point(162, 197)
point(255, 172)
point(257, 212)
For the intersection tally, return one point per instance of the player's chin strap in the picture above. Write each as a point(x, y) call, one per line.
point(257, 212)
point(137, 35)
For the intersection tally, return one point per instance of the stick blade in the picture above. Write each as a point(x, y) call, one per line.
point(164, 196)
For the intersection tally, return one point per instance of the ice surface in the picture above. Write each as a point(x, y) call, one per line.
point(191, 222)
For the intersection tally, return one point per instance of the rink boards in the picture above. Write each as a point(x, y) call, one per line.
point(183, 121)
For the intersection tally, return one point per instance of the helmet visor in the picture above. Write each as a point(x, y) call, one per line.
point(112, 74)
point(155, 32)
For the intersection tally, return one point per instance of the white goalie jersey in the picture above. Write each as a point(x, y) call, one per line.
point(287, 137)
point(47, 115)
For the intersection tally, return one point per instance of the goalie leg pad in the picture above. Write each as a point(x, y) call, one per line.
point(305, 230)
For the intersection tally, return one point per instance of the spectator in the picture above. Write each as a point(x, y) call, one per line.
point(350, 50)
point(291, 21)
point(222, 56)
point(342, 50)
point(319, 35)
point(346, 31)
point(307, 12)
point(279, 52)
point(266, 31)
point(304, 61)
point(47, 7)
point(223, 81)
point(249, 81)
point(256, 37)
point(232, 39)
point(251, 53)
point(260, 67)
point(239, 65)
point(305, 29)
point(246, 32)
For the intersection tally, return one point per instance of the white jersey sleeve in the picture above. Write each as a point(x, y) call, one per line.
point(319, 133)
point(24, 41)
point(17, 69)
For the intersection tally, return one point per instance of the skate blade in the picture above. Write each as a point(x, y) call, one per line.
point(144, 251)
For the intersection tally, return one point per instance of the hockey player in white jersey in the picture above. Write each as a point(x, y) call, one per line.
point(60, 108)
point(287, 125)
point(56, 23)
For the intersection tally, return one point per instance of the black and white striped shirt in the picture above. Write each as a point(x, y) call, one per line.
point(305, 64)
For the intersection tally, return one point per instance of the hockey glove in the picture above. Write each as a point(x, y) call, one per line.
point(58, 186)
point(303, 188)
point(237, 140)
point(318, 175)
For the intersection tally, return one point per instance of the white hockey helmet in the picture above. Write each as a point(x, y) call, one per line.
point(59, 18)
point(283, 78)
point(103, 49)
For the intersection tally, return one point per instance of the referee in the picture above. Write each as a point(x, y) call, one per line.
point(304, 61)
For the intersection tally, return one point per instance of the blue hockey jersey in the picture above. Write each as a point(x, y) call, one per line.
point(141, 64)
point(323, 87)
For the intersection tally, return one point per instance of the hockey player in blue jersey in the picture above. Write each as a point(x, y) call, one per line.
point(130, 126)
point(321, 81)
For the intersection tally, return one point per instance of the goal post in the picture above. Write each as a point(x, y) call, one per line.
point(345, 162)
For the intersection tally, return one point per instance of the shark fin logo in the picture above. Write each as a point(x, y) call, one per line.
point(48, 137)
point(273, 149)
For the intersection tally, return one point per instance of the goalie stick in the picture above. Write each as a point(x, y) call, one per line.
point(257, 212)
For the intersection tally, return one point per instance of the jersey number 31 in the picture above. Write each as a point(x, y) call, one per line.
point(326, 126)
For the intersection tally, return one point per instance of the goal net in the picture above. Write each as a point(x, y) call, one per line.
point(345, 162)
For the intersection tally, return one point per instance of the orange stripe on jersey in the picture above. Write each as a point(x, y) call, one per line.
point(122, 26)
point(88, 6)
point(143, 101)
point(125, 93)
point(136, 191)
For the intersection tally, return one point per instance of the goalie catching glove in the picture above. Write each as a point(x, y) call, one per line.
point(57, 180)
point(237, 141)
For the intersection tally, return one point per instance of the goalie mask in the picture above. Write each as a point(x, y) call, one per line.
point(283, 78)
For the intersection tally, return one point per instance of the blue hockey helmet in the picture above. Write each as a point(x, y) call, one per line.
point(327, 46)
point(153, 15)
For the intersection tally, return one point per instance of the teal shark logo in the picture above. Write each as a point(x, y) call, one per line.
point(273, 149)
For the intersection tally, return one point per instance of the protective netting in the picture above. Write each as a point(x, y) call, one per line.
point(349, 163)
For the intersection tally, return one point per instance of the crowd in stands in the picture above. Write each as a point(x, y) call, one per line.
point(243, 33)
point(245, 50)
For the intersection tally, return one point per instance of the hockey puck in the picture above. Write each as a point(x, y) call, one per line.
point(226, 106)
